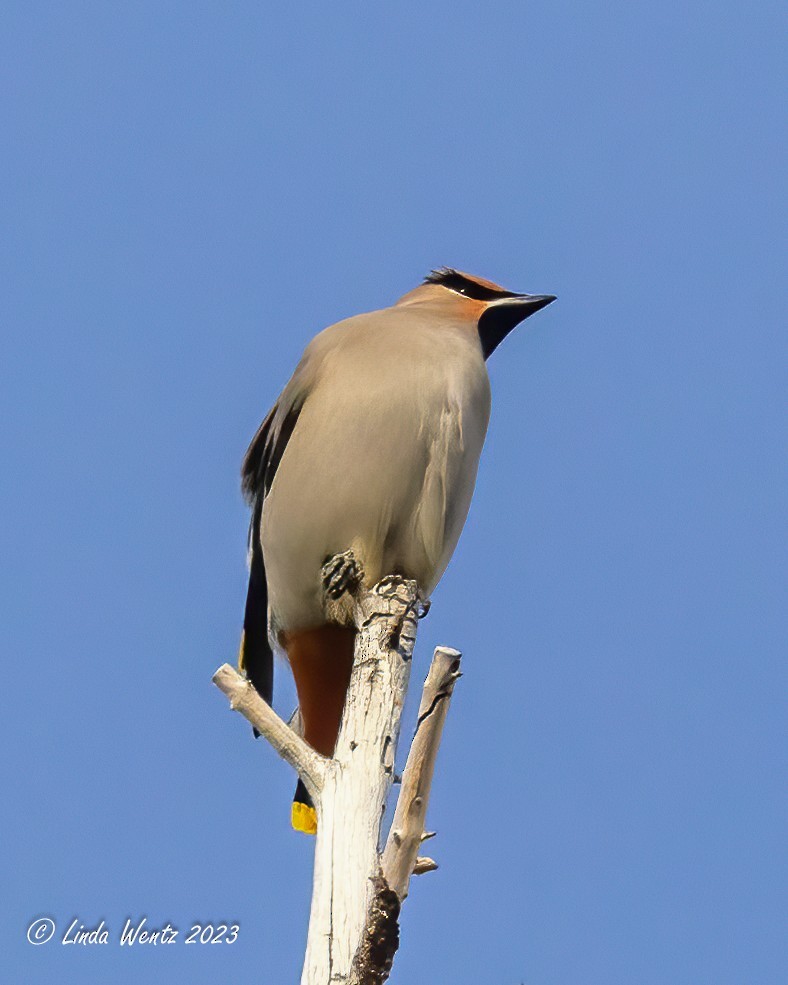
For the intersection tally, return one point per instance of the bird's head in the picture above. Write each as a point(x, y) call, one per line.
point(494, 310)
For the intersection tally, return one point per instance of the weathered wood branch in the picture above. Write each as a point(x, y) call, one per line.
point(356, 895)
point(309, 765)
point(401, 856)
point(358, 780)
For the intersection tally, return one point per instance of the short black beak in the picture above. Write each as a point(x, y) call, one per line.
point(500, 317)
point(532, 302)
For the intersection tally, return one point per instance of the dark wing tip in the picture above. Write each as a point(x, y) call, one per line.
point(248, 488)
point(265, 452)
point(253, 466)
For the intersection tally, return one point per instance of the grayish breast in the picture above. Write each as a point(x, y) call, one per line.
point(382, 460)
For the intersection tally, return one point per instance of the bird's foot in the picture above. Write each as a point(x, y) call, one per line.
point(420, 605)
point(341, 573)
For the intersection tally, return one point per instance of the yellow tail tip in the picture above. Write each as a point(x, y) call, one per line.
point(304, 818)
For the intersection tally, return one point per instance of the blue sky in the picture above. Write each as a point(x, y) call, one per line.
point(191, 191)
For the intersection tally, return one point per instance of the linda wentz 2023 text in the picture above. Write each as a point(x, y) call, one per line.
point(140, 933)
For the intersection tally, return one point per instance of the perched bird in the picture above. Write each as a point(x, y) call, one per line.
point(365, 467)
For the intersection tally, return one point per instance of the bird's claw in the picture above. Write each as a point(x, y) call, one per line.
point(341, 573)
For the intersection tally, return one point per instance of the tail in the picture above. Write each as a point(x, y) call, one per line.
point(256, 658)
point(322, 660)
point(303, 815)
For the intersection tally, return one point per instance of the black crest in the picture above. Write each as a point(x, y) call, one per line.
point(469, 288)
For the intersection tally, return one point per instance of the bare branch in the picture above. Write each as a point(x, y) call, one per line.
point(356, 894)
point(407, 829)
point(309, 765)
point(424, 864)
point(353, 924)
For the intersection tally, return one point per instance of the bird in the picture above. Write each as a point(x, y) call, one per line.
point(365, 467)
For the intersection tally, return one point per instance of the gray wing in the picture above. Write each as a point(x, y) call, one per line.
point(268, 445)
point(265, 451)
point(256, 658)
